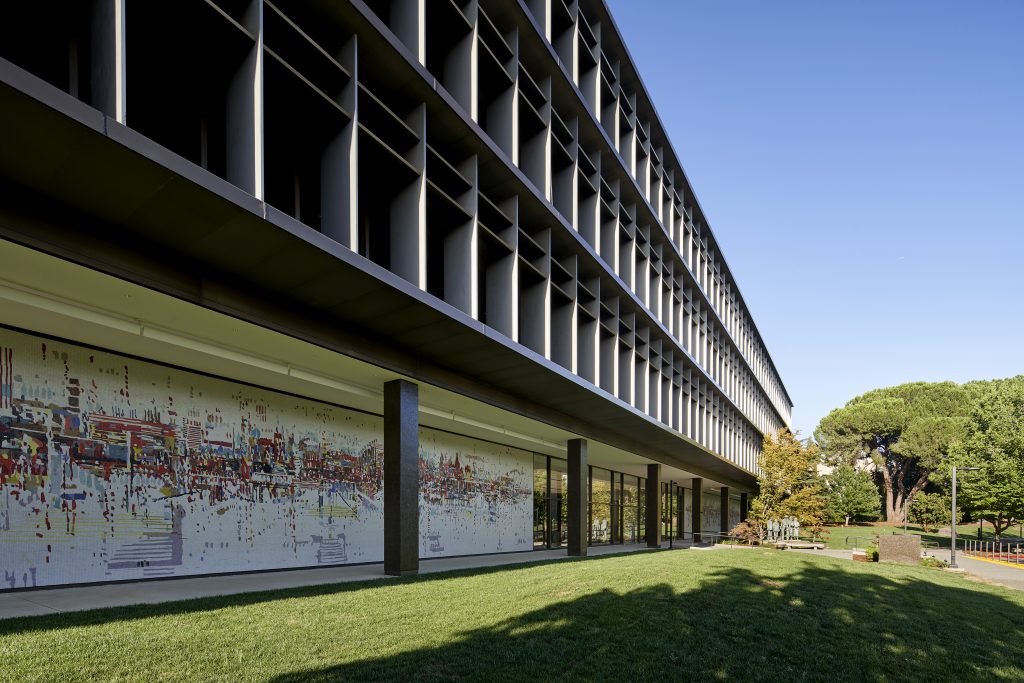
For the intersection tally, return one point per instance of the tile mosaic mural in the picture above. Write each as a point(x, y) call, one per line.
point(114, 468)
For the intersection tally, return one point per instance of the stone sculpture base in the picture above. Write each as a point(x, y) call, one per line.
point(902, 549)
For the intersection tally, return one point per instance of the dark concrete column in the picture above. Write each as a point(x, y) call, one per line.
point(680, 510)
point(401, 478)
point(577, 497)
point(743, 506)
point(695, 521)
point(652, 520)
point(724, 526)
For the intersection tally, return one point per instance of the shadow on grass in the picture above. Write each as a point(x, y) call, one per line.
point(807, 621)
point(821, 623)
point(95, 617)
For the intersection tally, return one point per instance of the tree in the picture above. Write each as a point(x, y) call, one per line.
point(851, 493)
point(788, 483)
point(994, 443)
point(931, 511)
point(906, 431)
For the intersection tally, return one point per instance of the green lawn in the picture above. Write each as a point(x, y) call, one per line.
point(738, 614)
point(856, 536)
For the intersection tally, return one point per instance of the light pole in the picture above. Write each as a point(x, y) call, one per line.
point(952, 526)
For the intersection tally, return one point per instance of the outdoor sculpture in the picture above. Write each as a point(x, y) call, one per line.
point(786, 529)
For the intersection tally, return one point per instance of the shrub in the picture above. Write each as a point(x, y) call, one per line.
point(746, 532)
point(872, 553)
point(934, 563)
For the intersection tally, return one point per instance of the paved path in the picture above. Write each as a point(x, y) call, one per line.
point(828, 552)
point(1010, 577)
point(53, 600)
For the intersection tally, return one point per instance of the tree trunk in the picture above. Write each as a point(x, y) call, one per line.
point(904, 502)
point(890, 507)
point(1001, 524)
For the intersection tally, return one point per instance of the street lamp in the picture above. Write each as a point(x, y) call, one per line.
point(952, 526)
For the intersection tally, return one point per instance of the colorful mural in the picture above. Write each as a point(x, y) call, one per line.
point(711, 512)
point(734, 513)
point(711, 504)
point(113, 468)
point(475, 497)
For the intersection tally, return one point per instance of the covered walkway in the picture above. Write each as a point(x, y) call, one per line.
point(77, 598)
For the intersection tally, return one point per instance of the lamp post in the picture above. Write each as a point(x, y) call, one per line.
point(952, 526)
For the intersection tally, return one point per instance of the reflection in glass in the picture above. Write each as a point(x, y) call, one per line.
point(559, 508)
point(630, 500)
point(540, 500)
point(641, 509)
point(600, 505)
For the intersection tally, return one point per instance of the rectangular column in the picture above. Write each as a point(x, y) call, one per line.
point(401, 478)
point(680, 514)
point(724, 525)
point(695, 521)
point(577, 497)
point(652, 519)
point(743, 506)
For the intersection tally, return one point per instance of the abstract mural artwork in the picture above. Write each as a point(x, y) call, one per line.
point(113, 468)
point(734, 513)
point(711, 509)
point(711, 512)
point(475, 497)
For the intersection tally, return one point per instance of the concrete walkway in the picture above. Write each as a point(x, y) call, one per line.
point(1010, 577)
point(55, 600)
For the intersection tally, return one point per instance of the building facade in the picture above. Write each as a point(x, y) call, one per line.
point(304, 283)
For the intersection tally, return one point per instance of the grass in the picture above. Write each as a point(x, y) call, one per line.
point(857, 535)
point(743, 614)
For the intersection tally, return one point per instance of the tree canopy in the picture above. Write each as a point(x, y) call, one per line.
point(788, 483)
point(994, 442)
point(932, 510)
point(906, 431)
point(852, 494)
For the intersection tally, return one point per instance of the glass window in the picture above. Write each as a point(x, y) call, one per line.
point(559, 535)
point(540, 500)
point(630, 507)
point(600, 505)
point(641, 509)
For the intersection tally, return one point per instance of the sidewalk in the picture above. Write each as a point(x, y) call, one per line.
point(1004, 575)
point(53, 600)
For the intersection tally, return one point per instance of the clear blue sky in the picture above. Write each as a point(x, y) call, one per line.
point(862, 165)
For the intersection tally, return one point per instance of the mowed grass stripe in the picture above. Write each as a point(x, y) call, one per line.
point(743, 614)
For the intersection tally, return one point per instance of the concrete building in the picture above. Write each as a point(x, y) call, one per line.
point(302, 283)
